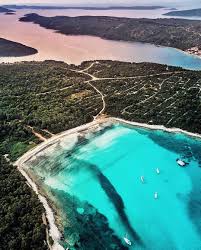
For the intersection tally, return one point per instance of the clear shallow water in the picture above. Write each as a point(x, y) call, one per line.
point(115, 160)
point(76, 49)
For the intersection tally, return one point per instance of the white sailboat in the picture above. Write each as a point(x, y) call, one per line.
point(128, 242)
point(142, 179)
point(156, 195)
point(157, 171)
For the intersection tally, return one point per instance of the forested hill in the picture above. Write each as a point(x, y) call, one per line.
point(185, 13)
point(12, 49)
point(21, 212)
point(177, 33)
point(5, 10)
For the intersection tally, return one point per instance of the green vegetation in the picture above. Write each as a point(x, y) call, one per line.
point(10, 48)
point(178, 33)
point(21, 224)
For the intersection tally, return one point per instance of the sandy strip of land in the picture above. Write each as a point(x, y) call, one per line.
point(56, 138)
point(54, 231)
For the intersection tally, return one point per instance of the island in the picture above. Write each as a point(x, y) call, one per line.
point(14, 49)
point(49, 7)
point(185, 13)
point(6, 10)
point(41, 99)
point(177, 33)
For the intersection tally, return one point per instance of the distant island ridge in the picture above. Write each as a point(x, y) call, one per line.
point(51, 7)
point(6, 10)
point(177, 33)
point(13, 49)
point(185, 13)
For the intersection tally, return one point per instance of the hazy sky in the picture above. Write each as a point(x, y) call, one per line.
point(173, 3)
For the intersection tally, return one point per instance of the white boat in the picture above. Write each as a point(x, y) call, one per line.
point(181, 163)
point(156, 195)
point(157, 171)
point(128, 242)
point(142, 179)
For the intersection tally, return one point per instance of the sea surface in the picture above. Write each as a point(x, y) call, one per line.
point(104, 171)
point(76, 49)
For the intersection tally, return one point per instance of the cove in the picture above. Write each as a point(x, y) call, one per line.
point(93, 177)
point(76, 49)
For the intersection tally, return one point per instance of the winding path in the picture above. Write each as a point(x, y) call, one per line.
point(94, 78)
point(38, 135)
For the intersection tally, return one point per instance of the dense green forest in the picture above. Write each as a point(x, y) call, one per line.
point(42, 95)
point(21, 225)
point(10, 48)
point(178, 33)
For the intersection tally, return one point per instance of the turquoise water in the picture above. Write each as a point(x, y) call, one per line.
point(105, 172)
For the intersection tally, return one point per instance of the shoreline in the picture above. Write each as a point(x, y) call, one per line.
point(195, 51)
point(53, 230)
point(50, 215)
point(158, 127)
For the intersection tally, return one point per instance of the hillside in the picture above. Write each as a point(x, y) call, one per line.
point(21, 212)
point(177, 33)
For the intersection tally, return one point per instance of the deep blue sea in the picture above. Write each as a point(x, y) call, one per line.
point(107, 167)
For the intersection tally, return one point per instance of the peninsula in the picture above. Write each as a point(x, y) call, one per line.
point(14, 49)
point(6, 10)
point(185, 13)
point(178, 33)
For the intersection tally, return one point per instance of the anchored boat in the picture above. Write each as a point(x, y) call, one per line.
point(142, 179)
point(181, 163)
point(157, 171)
point(128, 242)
